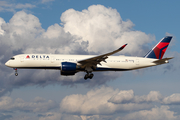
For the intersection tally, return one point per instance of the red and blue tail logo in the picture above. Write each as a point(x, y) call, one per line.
point(158, 51)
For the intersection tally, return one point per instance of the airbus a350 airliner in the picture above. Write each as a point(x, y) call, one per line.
point(71, 64)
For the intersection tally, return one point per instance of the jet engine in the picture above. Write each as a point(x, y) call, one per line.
point(68, 68)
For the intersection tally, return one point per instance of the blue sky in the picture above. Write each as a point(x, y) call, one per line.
point(47, 95)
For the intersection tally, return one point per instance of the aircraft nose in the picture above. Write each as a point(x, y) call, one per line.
point(7, 63)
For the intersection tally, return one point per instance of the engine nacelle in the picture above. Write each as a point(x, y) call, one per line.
point(68, 68)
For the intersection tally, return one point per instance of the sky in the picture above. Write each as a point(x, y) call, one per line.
point(89, 27)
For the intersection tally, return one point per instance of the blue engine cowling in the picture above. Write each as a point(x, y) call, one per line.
point(68, 68)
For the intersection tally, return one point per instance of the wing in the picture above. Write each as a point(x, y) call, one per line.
point(97, 59)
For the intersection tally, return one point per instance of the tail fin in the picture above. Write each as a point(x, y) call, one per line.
point(158, 51)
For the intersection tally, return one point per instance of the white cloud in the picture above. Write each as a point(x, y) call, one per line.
point(106, 100)
point(12, 7)
point(94, 105)
point(24, 6)
point(104, 29)
point(173, 99)
point(5, 4)
point(129, 97)
point(1, 22)
point(54, 31)
point(22, 23)
point(162, 113)
point(21, 30)
point(95, 102)
point(59, 116)
point(37, 105)
point(97, 117)
point(122, 97)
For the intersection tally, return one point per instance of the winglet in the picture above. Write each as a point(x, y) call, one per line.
point(122, 47)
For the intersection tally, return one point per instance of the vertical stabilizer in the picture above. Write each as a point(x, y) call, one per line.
point(158, 51)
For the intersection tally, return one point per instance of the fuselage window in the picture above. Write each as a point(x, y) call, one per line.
point(12, 59)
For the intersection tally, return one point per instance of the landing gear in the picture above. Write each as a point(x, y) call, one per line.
point(88, 76)
point(16, 74)
point(91, 76)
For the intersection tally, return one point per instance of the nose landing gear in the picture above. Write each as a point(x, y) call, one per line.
point(16, 73)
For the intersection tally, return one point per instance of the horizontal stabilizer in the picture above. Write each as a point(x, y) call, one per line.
point(162, 61)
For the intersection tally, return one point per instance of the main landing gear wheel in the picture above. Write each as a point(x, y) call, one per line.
point(91, 76)
point(88, 76)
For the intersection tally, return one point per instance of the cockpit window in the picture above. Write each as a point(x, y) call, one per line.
point(12, 59)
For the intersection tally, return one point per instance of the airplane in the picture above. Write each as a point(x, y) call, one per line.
point(71, 64)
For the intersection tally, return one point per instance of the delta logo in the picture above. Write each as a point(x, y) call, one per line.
point(38, 57)
point(27, 57)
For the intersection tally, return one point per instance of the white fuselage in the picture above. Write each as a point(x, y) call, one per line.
point(53, 61)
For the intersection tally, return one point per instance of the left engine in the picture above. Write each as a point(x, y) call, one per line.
point(68, 68)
